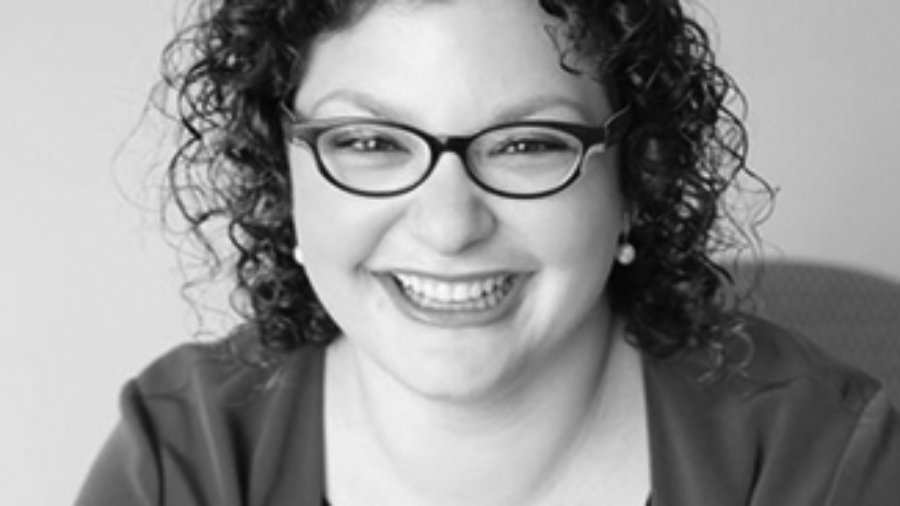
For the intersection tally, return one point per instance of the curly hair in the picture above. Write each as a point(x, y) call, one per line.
point(227, 76)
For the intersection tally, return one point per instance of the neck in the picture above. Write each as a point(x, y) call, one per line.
point(509, 448)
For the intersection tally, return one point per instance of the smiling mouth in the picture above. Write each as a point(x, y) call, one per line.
point(433, 294)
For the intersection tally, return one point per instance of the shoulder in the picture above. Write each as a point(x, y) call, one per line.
point(229, 370)
point(763, 357)
point(212, 423)
point(780, 357)
point(218, 391)
point(785, 422)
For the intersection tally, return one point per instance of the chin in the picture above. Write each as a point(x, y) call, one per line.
point(453, 381)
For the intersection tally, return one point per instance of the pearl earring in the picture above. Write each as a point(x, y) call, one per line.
point(626, 253)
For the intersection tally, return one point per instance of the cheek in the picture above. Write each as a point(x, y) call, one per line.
point(330, 237)
point(582, 226)
point(319, 215)
point(335, 229)
point(310, 202)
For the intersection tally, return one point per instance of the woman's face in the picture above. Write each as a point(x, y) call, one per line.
point(455, 292)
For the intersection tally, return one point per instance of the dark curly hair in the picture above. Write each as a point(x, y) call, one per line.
point(227, 76)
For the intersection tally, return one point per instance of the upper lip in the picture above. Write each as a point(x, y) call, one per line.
point(453, 277)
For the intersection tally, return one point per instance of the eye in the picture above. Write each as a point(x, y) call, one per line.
point(530, 146)
point(534, 142)
point(354, 152)
point(366, 140)
point(366, 144)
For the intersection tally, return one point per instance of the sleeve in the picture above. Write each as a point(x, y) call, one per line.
point(125, 472)
point(869, 470)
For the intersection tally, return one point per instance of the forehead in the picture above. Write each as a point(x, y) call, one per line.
point(437, 59)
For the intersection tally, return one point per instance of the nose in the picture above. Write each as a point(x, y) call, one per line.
point(449, 213)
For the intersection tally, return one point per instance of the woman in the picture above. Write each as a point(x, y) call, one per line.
point(474, 240)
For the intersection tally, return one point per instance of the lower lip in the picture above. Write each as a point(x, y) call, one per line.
point(455, 317)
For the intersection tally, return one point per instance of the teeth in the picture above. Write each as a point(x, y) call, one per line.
point(460, 295)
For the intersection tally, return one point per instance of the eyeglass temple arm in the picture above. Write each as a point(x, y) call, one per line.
point(617, 124)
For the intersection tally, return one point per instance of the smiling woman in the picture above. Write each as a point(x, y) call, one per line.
point(475, 245)
point(447, 232)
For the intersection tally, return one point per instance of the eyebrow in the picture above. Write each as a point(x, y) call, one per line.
point(504, 114)
point(359, 99)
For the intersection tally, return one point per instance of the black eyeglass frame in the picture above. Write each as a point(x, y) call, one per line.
point(608, 134)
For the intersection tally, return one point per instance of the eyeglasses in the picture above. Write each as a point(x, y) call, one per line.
point(527, 159)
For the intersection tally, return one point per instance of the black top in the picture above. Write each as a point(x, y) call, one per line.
point(793, 428)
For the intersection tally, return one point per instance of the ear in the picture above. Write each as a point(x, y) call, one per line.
point(628, 218)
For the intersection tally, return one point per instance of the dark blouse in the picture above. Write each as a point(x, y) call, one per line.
point(793, 428)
